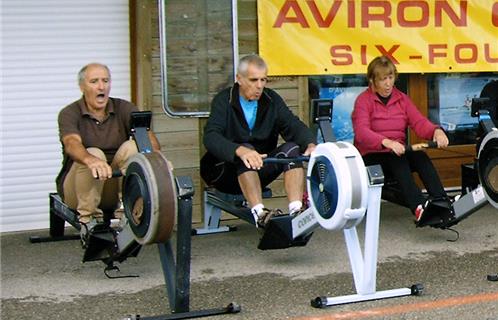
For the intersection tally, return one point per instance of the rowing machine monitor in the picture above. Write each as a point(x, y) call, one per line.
point(140, 119)
point(322, 116)
point(479, 104)
point(322, 109)
point(140, 125)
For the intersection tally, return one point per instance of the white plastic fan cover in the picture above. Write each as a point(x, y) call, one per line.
point(343, 179)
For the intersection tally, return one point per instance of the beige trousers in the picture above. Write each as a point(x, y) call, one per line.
point(91, 197)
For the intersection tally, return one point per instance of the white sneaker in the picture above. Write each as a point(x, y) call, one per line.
point(255, 217)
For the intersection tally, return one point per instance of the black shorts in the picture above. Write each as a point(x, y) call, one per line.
point(222, 175)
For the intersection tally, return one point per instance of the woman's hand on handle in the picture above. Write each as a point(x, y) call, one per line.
point(421, 146)
point(395, 146)
point(440, 138)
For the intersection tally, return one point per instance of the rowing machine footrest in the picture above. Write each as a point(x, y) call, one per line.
point(438, 213)
point(277, 234)
point(100, 244)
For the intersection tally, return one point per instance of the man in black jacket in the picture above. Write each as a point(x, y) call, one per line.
point(244, 126)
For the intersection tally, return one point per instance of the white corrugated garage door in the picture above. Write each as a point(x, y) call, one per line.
point(44, 44)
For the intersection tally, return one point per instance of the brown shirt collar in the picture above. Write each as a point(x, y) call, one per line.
point(109, 108)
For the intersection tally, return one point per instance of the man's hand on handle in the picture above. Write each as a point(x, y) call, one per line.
point(99, 168)
point(251, 158)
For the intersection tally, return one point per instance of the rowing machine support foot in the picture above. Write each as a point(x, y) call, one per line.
point(323, 302)
point(417, 289)
point(319, 302)
point(492, 277)
point(231, 308)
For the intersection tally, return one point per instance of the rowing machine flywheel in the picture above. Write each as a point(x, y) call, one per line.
point(488, 166)
point(338, 185)
point(150, 198)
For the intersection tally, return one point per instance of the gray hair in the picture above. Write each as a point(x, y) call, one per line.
point(82, 72)
point(253, 59)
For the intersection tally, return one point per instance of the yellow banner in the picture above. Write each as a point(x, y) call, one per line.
point(313, 37)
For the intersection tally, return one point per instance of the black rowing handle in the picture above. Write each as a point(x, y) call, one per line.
point(286, 160)
point(115, 173)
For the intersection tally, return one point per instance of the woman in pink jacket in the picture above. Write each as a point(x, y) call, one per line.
point(381, 116)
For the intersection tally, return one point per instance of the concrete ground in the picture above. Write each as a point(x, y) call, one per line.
point(49, 281)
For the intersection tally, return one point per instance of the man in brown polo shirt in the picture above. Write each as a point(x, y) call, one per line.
point(95, 135)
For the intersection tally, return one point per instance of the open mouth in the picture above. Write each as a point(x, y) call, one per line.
point(100, 97)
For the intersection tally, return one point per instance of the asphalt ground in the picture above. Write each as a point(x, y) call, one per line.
point(49, 281)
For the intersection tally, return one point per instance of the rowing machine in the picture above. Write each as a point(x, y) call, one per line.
point(152, 197)
point(342, 190)
point(449, 213)
point(487, 162)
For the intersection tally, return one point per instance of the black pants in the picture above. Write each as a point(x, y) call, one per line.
point(401, 168)
point(223, 175)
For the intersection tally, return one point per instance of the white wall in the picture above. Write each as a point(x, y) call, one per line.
point(43, 46)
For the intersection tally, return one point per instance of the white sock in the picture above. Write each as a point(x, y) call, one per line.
point(295, 206)
point(257, 209)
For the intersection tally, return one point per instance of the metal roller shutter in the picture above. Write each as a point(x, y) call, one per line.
point(43, 46)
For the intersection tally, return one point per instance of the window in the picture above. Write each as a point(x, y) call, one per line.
point(449, 100)
point(197, 53)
